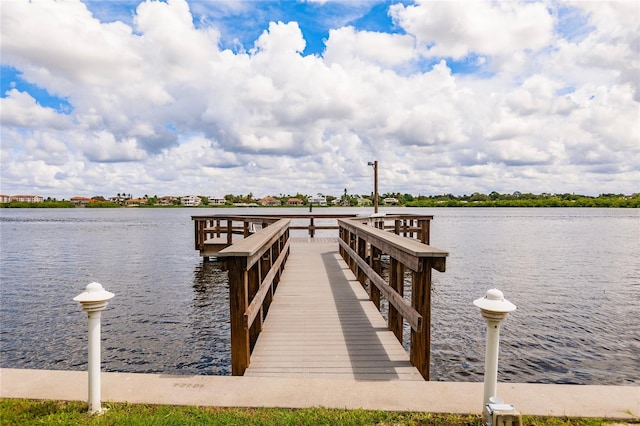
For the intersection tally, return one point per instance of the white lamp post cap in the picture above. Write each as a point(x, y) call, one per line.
point(94, 293)
point(494, 301)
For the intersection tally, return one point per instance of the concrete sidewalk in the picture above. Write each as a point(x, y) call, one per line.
point(614, 402)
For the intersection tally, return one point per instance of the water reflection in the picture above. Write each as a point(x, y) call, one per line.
point(210, 333)
point(187, 336)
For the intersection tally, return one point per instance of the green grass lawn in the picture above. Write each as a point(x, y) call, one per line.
point(31, 412)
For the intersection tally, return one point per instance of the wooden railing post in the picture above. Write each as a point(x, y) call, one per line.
point(362, 252)
point(376, 264)
point(353, 243)
point(275, 253)
point(396, 281)
point(229, 231)
point(425, 236)
point(198, 234)
point(283, 241)
point(421, 302)
point(238, 303)
point(266, 261)
point(253, 286)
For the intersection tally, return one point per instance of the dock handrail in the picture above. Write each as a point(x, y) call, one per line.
point(412, 226)
point(215, 232)
point(254, 265)
point(224, 227)
point(359, 241)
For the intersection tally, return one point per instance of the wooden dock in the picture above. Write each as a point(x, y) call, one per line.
point(322, 323)
point(310, 307)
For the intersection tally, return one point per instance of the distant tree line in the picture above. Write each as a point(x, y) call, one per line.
point(493, 199)
point(46, 204)
point(518, 199)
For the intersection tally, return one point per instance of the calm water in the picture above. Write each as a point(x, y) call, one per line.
point(573, 273)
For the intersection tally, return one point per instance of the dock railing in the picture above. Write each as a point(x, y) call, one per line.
point(215, 232)
point(407, 225)
point(362, 245)
point(254, 265)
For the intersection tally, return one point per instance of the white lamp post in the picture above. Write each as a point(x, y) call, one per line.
point(494, 308)
point(93, 301)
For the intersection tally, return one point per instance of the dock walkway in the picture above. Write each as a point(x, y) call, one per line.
point(321, 324)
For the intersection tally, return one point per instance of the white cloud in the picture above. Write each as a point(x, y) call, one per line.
point(59, 45)
point(46, 147)
point(609, 53)
point(281, 39)
point(457, 28)
point(104, 147)
point(346, 45)
point(20, 109)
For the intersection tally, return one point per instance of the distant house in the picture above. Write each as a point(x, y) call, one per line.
point(390, 201)
point(217, 201)
point(167, 200)
point(269, 201)
point(5, 199)
point(80, 201)
point(190, 201)
point(295, 202)
point(135, 202)
point(27, 198)
point(319, 200)
point(364, 202)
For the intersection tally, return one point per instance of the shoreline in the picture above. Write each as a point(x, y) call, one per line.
point(437, 206)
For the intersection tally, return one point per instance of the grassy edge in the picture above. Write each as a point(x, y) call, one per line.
point(48, 412)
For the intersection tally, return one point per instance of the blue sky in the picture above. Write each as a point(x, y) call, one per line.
point(450, 97)
point(245, 21)
point(12, 79)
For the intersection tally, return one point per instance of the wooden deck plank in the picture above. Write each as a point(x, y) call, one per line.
point(322, 324)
